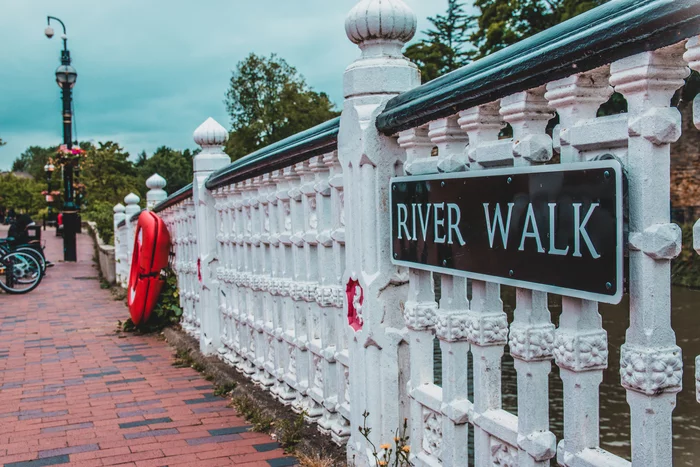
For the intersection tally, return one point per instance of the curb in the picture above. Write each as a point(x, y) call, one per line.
point(313, 443)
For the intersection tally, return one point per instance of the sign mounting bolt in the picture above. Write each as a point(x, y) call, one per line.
point(511, 273)
point(608, 285)
point(444, 262)
point(606, 174)
point(510, 180)
point(442, 184)
point(396, 255)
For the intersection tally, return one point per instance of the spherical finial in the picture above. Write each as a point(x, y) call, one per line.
point(389, 20)
point(119, 208)
point(210, 134)
point(156, 182)
point(131, 198)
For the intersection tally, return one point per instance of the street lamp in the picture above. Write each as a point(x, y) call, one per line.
point(65, 78)
point(49, 168)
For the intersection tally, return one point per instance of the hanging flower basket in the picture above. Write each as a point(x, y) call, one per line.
point(65, 156)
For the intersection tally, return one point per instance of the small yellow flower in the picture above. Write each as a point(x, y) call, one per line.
point(382, 462)
point(396, 440)
point(406, 448)
point(384, 446)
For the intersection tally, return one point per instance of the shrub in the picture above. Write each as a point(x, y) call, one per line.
point(166, 312)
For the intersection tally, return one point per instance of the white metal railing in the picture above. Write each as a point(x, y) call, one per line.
point(280, 239)
point(268, 283)
point(651, 365)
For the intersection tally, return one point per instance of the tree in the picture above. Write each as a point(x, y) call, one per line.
point(22, 193)
point(108, 174)
point(174, 166)
point(505, 22)
point(33, 160)
point(2, 143)
point(444, 48)
point(268, 100)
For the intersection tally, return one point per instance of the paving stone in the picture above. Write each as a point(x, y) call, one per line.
point(60, 338)
point(152, 421)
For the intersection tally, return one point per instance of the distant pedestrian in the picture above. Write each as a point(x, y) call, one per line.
point(11, 215)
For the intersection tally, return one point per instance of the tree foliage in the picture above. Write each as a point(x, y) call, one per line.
point(33, 160)
point(108, 174)
point(455, 38)
point(504, 22)
point(268, 100)
point(21, 193)
point(446, 46)
point(174, 166)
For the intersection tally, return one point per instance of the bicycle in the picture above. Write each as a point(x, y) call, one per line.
point(20, 272)
point(33, 250)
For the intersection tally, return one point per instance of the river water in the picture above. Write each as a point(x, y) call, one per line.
point(614, 411)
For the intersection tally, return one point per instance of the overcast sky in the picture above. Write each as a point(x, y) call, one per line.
point(150, 71)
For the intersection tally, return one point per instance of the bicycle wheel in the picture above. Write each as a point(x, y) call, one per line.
point(19, 273)
point(36, 254)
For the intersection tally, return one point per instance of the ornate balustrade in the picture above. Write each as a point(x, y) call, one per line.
point(313, 310)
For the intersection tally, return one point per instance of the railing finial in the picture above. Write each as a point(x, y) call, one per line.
point(131, 198)
point(210, 134)
point(384, 25)
point(156, 194)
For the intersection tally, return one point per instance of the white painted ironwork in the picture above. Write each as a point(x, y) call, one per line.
point(265, 273)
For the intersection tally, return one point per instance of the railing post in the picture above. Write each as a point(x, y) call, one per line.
point(132, 207)
point(156, 194)
point(211, 136)
point(692, 56)
point(651, 367)
point(376, 288)
point(118, 246)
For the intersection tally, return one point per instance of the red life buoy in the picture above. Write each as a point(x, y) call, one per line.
point(151, 249)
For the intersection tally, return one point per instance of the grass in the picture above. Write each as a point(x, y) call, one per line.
point(250, 410)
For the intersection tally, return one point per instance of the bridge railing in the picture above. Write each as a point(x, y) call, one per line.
point(312, 308)
point(635, 49)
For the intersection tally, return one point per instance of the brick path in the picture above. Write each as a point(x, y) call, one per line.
point(72, 392)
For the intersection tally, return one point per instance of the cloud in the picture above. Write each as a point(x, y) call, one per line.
point(149, 72)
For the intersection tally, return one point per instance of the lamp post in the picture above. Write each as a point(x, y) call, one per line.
point(49, 168)
point(66, 77)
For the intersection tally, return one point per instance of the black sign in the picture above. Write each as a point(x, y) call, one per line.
point(555, 228)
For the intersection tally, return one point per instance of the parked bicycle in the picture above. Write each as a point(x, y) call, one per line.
point(20, 271)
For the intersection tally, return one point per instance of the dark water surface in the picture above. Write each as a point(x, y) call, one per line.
point(614, 411)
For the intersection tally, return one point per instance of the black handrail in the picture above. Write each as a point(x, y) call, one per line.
point(602, 35)
point(315, 141)
point(180, 195)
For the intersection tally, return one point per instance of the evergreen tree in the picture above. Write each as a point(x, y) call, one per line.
point(443, 50)
point(505, 22)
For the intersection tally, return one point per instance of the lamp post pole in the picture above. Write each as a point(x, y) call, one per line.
point(65, 77)
point(48, 168)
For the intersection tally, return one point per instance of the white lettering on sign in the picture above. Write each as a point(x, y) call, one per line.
point(403, 218)
point(443, 219)
point(453, 223)
point(531, 221)
point(408, 229)
point(580, 230)
point(498, 223)
point(531, 229)
point(439, 222)
point(553, 250)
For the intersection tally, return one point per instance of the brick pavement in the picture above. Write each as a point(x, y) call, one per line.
point(73, 392)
